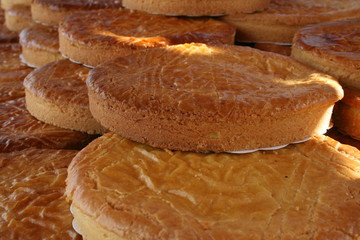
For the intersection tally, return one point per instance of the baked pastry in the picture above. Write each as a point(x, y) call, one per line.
point(11, 68)
point(11, 90)
point(96, 36)
point(20, 130)
point(5, 4)
point(280, 21)
point(194, 97)
point(331, 47)
point(32, 186)
point(347, 113)
point(56, 94)
point(50, 12)
point(197, 8)
point(344, 139)
point(124, 190)
point(18, 17)
point(40, 45)
point(276, 48)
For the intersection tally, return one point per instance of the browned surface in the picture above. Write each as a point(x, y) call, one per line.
point(303, 191)
point(301, 12)
point(9, 58)
point(58, 5)
point(11, 90)
point(32, 201)
point(199, 93)
point(40, 37)
point(276, 48)
point(134, 29)
point(344, 139)
point(61, 82)
point(19, 130)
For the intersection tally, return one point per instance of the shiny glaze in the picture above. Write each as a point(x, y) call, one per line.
point(11, 90)
point(33, 205)
point(140, 192)
point(20, 130)
point(9, 58)
point(20, 10)
point(211, 83)
point(61, 81)
point(40, 37)
point(301, 12)
point(56, 5)
point(338, 40)
point(134, 29)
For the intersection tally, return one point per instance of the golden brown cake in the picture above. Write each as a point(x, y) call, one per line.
point(347, 113)
point(11, 90)
point(18, 17)
point(56, 94)
point(276, 48)
point(20, 130)
point(197, 8)
point(124, 190)
point(6, 36)
point(96, 36)
point(194, 97)
point(11, 68)
point(32, 201)
point(5, 4)
point(40, 45)
point(50, 12)
point(283, 18)
point(332, 47)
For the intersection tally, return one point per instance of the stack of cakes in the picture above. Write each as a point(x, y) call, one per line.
point(201, 139)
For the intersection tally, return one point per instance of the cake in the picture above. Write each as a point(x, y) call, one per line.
point(194, 97)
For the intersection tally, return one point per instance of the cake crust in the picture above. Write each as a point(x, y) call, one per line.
point(19, 130)
point(280, 21)
point(57, 94)
point(331, 47)
point(50, 12)
point(18, 18)
point(197, 8)
point(201, 98)
point(133, 191)
point(96, 36)
point(33, 204)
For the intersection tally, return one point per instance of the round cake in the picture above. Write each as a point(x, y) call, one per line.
point(124, 190)
point(280, 21)
point(56, 94)
point(347, 113)
point(40, 45)
point(194, 97)
point(19, 130)
point(96, 36)
point(32, 186)
point(18, 17)
point(197, 8)
point(6, 36)
point(332, 47)
point(50, 12)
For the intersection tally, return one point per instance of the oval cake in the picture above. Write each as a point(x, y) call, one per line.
point(280, 21)
point(56, 94)
point(32, 186)
point(96, 36)
point(195, 97)
point(50, 12)
point(40, 45)
point(122, 190)
point(197, 8)
point(18, 18)
point(19, 130)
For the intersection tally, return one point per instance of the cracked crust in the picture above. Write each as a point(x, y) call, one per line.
point(195, 97)
point(124, 190)
point(96, 36)
point(33, 204)
point(280, 21)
